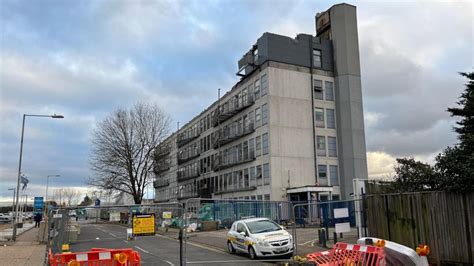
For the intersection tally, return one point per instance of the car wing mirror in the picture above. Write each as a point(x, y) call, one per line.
point(242, 233)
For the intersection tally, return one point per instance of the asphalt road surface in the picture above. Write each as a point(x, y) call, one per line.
point(154, 250)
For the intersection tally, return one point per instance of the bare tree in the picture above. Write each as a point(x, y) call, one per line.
point(71, 196)
point(123, 145)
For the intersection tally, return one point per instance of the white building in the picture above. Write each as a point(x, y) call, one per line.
point(291, 129)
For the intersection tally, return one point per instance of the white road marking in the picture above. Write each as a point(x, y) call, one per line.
point(112, 235)
point(142, 249)
point(169, 262)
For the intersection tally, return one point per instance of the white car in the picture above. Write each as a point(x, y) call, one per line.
point(259, 237)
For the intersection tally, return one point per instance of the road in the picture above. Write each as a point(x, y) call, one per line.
point(154, 250)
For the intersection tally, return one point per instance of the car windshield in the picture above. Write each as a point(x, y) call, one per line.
point(262, 226)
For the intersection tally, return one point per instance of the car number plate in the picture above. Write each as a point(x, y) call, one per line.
point(279, 249)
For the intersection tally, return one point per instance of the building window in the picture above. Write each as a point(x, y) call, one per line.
point(252, 177)
point(322, 174)
point(246, 178)
point(334, 175)
point(258, 117)
point(318, 89)
point(265, 143)
point(264, 114)
point(321, 145)
point(266, 174)
point(259, 175)
point(251, 148)
point(266, 197)
point(317, 58)
point(264, 84)
point(332, 147)
point(319, 117)
point(258, 145)
point(330, 118)
point(255, 56)
point(329, 90)
point(257, 89)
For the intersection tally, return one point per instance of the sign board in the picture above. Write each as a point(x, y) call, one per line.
point(38, 204)
point(57, 215)
point(343, 228)
point(143, 224)
point(167, 215)
point(97, 202)
point(341, 213)
point(114, 217)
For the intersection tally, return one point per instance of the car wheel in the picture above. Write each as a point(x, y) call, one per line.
point(252, 253)
point(230, 248)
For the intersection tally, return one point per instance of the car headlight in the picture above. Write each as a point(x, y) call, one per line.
point(263, 243)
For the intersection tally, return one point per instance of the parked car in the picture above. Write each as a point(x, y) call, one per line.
point(259, 237)
point(5, 219)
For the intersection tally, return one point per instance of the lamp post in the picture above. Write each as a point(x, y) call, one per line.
point(13, 205)
point(47, 185)
point(19, 166)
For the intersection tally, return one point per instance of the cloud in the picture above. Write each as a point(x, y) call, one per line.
point(84, 59)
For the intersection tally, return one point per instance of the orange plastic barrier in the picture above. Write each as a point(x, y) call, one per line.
point(97, 257)
point(348, 255)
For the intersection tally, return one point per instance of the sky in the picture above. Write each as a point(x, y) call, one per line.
point(84, 59)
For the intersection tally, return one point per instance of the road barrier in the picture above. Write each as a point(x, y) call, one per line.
point(348, 254)
point(96, 256)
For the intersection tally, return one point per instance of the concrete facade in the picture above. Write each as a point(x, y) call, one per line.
point(291, 129)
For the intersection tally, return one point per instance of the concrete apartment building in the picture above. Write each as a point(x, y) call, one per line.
point(291, 129)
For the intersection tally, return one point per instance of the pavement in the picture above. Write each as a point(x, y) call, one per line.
point(25, 251)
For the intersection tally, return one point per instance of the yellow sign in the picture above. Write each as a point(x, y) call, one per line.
point(167, 215)
point(143, 224)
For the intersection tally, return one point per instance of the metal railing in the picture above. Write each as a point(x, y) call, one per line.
point(162, 151)
point(161, 182)
point(231, 108)
point(219, 163)
point(228, 135)
point(188, 154)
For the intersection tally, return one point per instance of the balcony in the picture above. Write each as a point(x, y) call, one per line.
point(187, 155)
point(161, 183)
point(188, 195)
point(186, 175)
point(220, 164)
point(222, 137)
point(161, 167)
point(162, 151)
point(183, 139)
point(231, 108)
point(232, 190)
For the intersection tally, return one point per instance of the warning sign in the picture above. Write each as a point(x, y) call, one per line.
point(167, 215)
point(143, 224)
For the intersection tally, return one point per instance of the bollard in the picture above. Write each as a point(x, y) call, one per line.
point(319, 237)
point(340, 235)
point(323, 237)
point(335, 237)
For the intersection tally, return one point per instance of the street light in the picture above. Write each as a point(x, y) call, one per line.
point(47, 184)
point(19, 167)
point(13, 205)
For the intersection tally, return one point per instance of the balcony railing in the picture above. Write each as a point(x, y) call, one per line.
point(188, 195)
point(183, 140)
point(161, 167)
point(219, 163)
point(162, 151)
point(233, 107)
point(231, 190)
point(222, 137)
point(189, 155)
point(161, 183)
point(183, 176)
